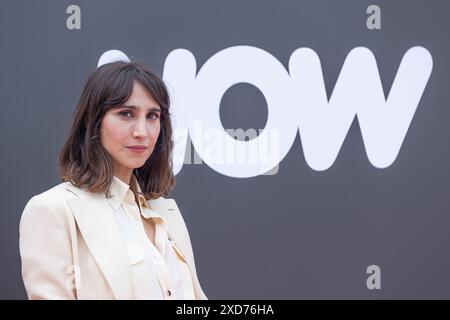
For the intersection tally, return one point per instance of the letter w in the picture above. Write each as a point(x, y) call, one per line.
point(358, 91)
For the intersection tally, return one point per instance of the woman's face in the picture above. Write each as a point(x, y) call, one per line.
point(129, 132)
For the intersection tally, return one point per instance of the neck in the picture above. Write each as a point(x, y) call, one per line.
point(124, 175)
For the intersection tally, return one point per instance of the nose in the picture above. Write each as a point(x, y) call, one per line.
point(140, 130)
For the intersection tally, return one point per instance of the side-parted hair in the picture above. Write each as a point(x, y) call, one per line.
point(84, 161)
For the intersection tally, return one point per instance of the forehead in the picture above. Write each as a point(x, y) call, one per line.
point(141, 98)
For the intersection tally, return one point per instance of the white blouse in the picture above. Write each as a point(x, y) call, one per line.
point(159, 269)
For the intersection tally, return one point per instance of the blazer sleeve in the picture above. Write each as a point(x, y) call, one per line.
point(45, 250)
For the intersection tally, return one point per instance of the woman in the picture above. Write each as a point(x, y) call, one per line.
point(107, 232)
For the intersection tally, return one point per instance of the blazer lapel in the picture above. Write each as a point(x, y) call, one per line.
point(102, 236)
point(169, 211)
point(176, 229)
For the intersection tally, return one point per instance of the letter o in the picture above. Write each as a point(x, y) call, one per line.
point(243, 64)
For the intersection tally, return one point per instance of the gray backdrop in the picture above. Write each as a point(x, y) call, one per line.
point(297, 234)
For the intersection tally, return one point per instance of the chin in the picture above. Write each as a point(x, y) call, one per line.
point(136, 165)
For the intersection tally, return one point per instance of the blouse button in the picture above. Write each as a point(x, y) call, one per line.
point(169, 293)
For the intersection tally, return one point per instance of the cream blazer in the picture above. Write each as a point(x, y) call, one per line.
point(71, 247)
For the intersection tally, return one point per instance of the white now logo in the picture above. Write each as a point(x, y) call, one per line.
point(296, 101)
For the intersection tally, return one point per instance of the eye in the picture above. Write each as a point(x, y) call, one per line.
point(126, 114)
point(153, 115)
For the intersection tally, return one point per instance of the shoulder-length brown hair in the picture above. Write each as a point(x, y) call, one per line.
point(84, 161)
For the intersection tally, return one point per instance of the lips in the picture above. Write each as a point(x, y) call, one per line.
point(137, 147)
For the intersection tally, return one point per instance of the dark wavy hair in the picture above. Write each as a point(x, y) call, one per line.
point(84, 161)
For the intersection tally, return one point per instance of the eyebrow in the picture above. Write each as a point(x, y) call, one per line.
point(158, 109)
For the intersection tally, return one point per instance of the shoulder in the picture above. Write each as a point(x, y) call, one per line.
point(60, 192)
point(64, 189)
point(50, 202)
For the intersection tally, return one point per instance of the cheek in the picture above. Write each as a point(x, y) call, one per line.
point(112, 133)
point(154, 132)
